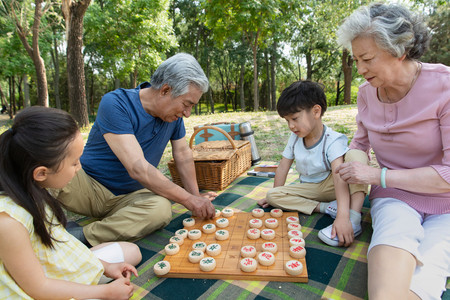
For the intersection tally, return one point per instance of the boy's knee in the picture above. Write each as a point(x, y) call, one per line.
point(356, 155)
point(271, 196)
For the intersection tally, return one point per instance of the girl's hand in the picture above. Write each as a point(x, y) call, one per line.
point(119, 289)
point(120, 270)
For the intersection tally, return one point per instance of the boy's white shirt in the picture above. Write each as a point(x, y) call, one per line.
point(314, 163)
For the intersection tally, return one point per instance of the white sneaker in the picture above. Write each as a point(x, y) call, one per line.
point(332, 209)
point(325, 234)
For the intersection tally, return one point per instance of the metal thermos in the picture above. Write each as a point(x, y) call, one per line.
point(246, 132)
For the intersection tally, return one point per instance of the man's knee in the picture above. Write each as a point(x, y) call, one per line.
point(156, 208)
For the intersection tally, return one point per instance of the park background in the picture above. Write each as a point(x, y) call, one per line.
point(68, 53)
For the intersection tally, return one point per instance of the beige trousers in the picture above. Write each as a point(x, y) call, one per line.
point(304, 197)
point(121, 218)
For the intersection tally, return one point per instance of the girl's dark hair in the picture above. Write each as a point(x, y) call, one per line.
point(39, 137)
point(301, 95)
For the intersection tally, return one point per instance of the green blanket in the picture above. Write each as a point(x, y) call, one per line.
point(334, 272)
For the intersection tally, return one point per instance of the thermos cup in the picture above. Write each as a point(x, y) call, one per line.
point(247, 134)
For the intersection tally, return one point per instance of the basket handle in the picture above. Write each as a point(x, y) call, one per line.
point(191, 142)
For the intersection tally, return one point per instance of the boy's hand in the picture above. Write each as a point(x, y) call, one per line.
point(210, 195)
point(263, 203)
point(342, 228)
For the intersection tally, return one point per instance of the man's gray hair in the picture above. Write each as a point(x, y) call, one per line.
point(393, 27)
point(179, 72)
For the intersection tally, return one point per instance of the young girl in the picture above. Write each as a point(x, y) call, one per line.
point(38, 258)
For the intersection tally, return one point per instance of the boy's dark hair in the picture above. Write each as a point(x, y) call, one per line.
point(39, 137)
point(301, 95)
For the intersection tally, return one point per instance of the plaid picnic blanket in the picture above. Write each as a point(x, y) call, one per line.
point(334, 272)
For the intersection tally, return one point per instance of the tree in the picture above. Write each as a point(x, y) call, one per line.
point(17, 12)
point(250, 18)
point(14, 59)
point(347, 67)
point(439, 24)
point(193, 37)
point(126, 37)
point(73, 11)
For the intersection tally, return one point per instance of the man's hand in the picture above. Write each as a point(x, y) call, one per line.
point(200, 206)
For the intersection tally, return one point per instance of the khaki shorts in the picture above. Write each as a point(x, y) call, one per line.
point(304, 197)
point(126, 217)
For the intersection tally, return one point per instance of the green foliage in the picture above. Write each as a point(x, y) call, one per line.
point(439, 24)
point(124, 36)
point(127, 39)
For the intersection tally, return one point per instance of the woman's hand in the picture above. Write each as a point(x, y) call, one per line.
point(358, 173)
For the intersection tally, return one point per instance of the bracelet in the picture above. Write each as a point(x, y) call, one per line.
point(383, 178)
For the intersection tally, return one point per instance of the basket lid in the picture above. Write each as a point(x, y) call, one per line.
point(216, 150)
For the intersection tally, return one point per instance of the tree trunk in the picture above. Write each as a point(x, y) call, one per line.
point(34, 53)
point(3, 98)
point(308, 65)
point(208, 72)
point(224, 90)
point(12, 97)
point(55, 59)
point(19, 88)
point(241, 79)
point(255, 78)
point(26, 91)
point(74, 12)
point(347, 64)
point(91, 110)
point(338, 90)
point(268, 85)
point(273, 63)
point(41, 76)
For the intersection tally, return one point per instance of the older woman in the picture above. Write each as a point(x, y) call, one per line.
point(404, 116)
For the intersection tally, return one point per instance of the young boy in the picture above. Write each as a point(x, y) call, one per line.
point(318, 151)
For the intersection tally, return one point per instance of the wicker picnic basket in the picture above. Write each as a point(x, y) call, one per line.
point(217, 163)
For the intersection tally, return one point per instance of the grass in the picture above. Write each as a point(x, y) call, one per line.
point(271, 131)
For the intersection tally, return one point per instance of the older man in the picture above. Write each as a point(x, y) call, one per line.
point(120, 183)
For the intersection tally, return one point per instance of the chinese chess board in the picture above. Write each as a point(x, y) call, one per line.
point(227, 262)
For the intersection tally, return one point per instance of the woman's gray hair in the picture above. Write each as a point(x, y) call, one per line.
point(179, 72)
point(393, 27)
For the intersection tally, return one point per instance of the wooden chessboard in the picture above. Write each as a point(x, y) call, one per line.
point(227, 263)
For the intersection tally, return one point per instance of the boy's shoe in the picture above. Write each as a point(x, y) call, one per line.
point(331, 209)
point(325, 234)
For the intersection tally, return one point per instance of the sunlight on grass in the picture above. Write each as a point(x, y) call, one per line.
point(271, 131)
